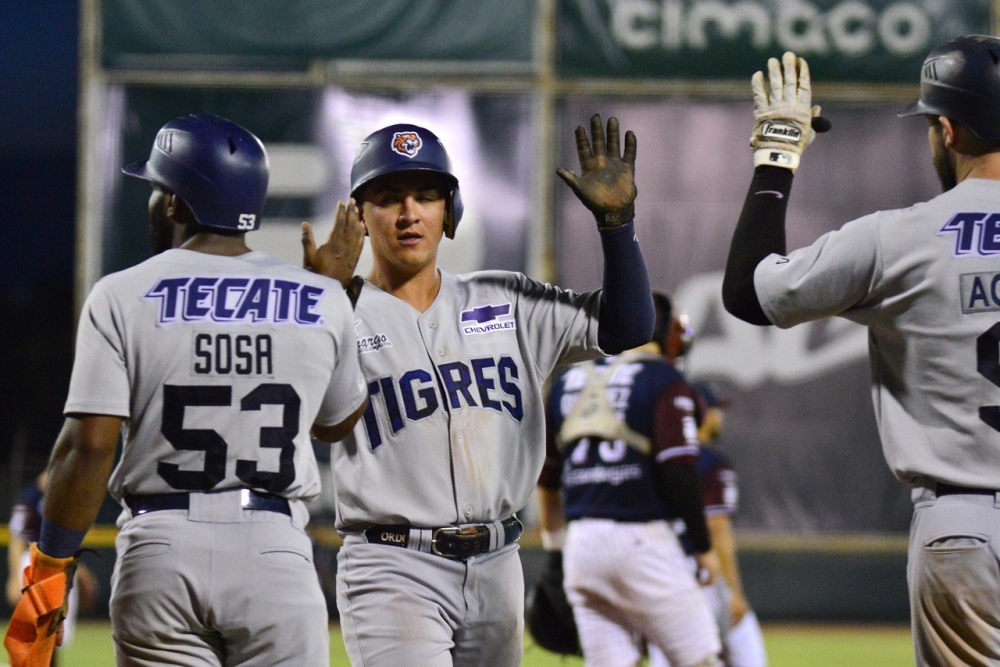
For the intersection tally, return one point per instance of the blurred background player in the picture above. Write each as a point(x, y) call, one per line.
point(743, 641)
point(25, 523)
point(622, 442)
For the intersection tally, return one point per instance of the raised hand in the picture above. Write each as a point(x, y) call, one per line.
point(606, 184)
point(785, 121)
point(338, 257)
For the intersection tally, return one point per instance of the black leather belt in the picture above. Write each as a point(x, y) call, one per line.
point(249, 500)
point(952, 489)
point(453, 542)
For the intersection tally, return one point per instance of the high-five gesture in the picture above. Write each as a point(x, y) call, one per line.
point(785, 120)
point(338, 257)
point(606, 184)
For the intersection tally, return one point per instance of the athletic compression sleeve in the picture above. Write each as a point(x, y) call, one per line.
point(627, 313)
point(759, 232)
point(681, 491)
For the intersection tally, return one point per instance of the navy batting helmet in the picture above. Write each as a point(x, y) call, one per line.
point(961, 80)
point(216, 167)
point(406, 147)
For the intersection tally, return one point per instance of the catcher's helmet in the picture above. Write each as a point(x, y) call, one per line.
point(219, 169)
point(961, 80)
point(406, 147)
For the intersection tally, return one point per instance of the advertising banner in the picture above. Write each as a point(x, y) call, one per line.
point(278, 35)
point(844, 40)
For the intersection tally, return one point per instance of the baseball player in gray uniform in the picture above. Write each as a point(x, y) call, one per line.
point(925, 281)
point(213, 362)
point(453, 439)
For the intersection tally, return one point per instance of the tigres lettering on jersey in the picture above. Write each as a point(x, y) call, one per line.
point(456, 393)
point(485, 383)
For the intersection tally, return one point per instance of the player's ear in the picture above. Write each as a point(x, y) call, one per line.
point(171, 203)
point(947, 131)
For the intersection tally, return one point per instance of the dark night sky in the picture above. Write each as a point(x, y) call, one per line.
point(38, 92)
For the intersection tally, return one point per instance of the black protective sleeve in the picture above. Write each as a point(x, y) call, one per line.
point(681, 490)
point(627, 313)
point(759, 232)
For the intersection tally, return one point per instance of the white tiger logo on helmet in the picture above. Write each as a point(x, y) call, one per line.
point(407, 143)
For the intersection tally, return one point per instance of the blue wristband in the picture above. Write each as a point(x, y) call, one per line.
point(59, 541)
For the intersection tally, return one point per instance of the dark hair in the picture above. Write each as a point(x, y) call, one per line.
point(972, 145)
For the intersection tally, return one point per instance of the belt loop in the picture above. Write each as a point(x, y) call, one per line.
point(420, 539)
point(497, 535)
point(996, 500)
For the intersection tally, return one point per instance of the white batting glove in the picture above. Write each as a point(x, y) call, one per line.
point(783, 113)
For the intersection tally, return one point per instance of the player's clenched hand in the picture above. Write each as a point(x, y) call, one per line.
point(606, 184)
point(338, 257)
point(785, 122)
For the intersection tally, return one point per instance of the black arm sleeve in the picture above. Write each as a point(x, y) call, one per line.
point(627, 314)
point(759, 232)
point(681, 491)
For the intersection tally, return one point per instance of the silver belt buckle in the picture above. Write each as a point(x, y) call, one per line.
point(447, 530)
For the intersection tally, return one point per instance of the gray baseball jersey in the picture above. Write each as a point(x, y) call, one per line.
point(926, 282)
point(454, 431)
point(220, 366)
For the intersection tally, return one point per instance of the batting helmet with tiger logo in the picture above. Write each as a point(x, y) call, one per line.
point(405, 147)
point(407, 143)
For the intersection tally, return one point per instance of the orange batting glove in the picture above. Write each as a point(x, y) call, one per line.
point(36, 625)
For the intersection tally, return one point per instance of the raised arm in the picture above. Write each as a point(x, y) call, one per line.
point(606, 186)
point(785, 122)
